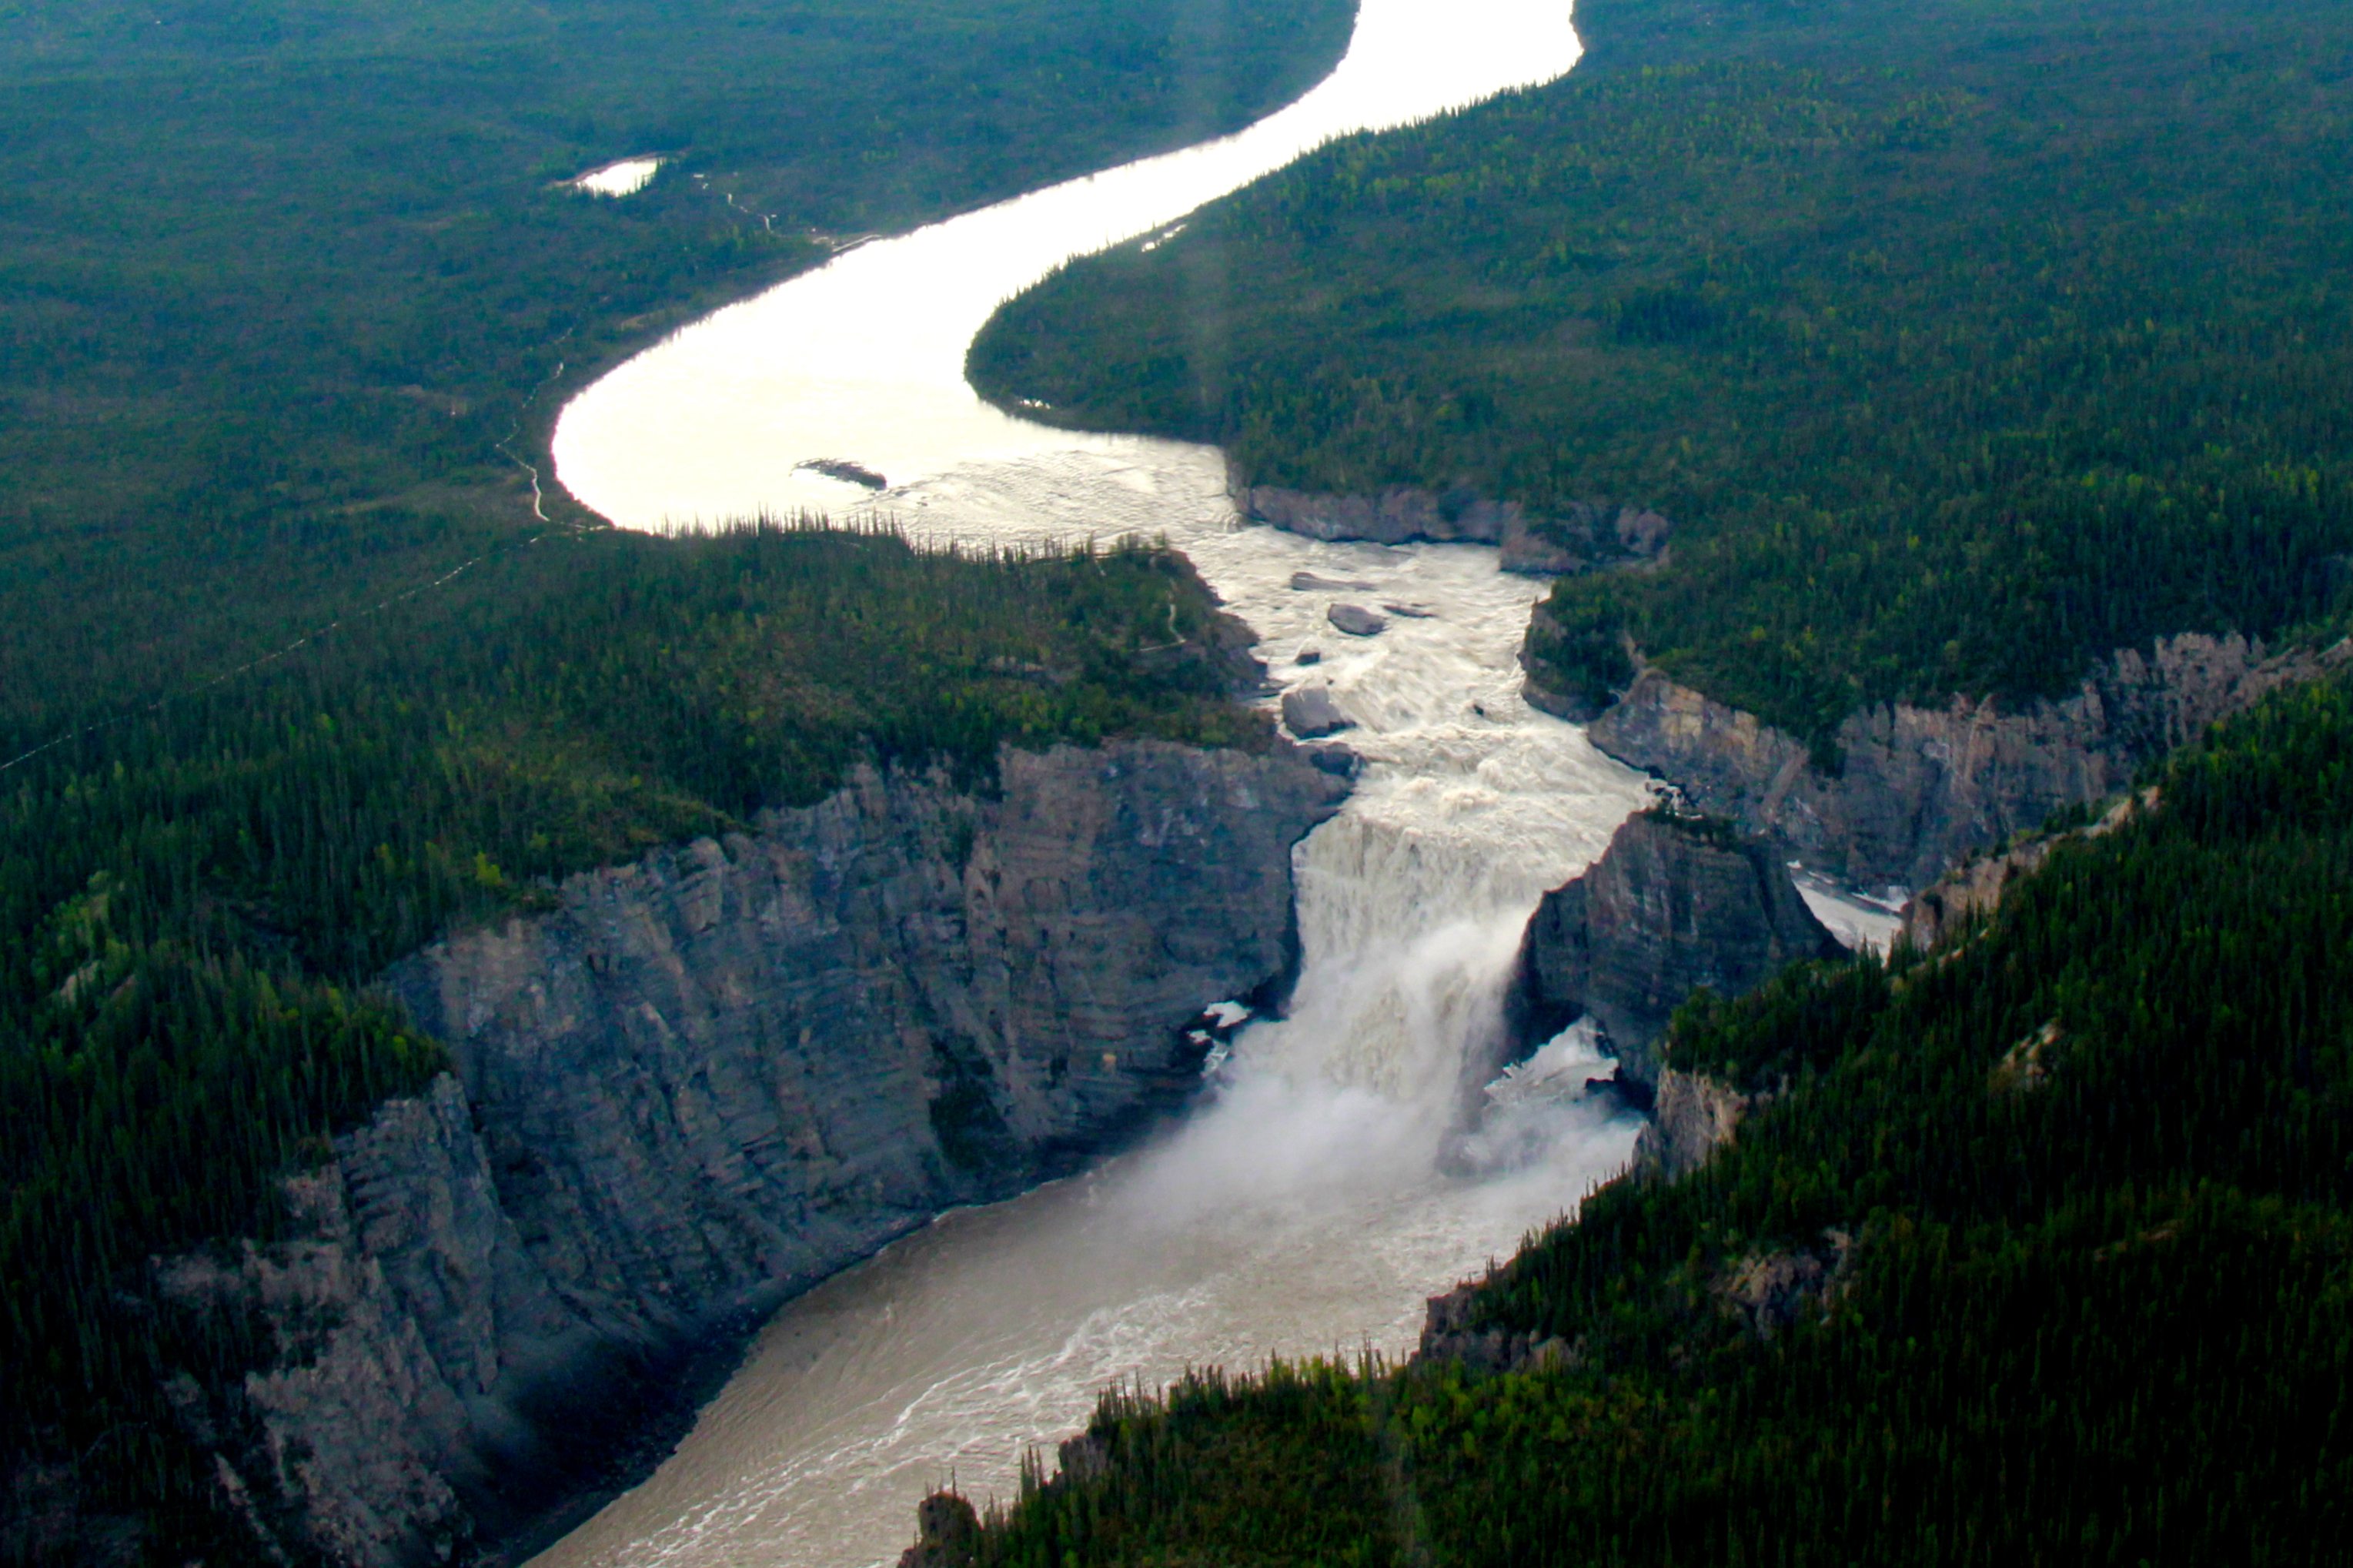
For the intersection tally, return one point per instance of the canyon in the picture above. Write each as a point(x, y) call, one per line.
point(704, 1081)
point(1918, 788)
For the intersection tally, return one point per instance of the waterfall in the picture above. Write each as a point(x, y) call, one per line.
point(1311, 1201)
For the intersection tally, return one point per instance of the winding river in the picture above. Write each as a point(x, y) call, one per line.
point(1307, 1205)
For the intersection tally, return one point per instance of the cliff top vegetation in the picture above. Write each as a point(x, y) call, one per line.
point(1964, 343)
point(293, 674)
point(196, 901)
point(2044, 1254)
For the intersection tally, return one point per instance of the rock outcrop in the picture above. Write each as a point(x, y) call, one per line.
point(702, 1082)
point(1310, 712)
point(1977, 886)
point(1589, 538)
point(1677, 903)
point(1921, 788)
point(1449, 1332)
point(1692, 1117)
point(1768, 1293)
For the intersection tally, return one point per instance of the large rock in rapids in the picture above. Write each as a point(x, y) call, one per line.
point(1310, 712)
point(701, 1082)
point(1678, 902)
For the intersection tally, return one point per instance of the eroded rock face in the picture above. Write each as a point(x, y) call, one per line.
point(1447, 1333)
point(1977, 887)
point(707, 1080)
point(1921, 788)
point(1692, 1116)
point(1674, 904)
point(1590, 537)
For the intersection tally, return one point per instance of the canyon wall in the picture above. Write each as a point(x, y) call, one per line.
point(701, 1082)
point(1675, 903)
point(1919, 788)
point(1591, 537)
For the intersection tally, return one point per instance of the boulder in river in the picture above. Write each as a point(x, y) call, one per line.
point(1310, 712)
point(1335, 759)
point(1308, 582)
point(1355, 620)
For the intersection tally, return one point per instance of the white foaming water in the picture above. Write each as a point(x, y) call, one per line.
point(1304, 1208)
point(626, 177)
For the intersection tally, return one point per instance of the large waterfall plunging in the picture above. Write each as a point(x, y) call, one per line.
point(1310, 1204)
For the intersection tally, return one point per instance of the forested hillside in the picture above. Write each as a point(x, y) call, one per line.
point(197, 902)
point(279, 279)
point(2045, 1255)
point(1963, 343)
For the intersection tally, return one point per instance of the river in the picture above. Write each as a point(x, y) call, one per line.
point(1314, 1198)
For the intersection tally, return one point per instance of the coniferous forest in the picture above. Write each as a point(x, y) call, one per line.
point(1964, 341)
point(2041, 1250)
point(290, 289)
point(1964, 344)
point(200, 898)
point(293, 674)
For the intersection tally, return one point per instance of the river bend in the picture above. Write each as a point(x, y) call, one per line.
point(1307, 1205)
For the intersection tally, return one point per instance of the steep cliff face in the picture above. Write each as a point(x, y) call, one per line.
point(708, 1079)
point(1674, 904)
point(1979, 884)
point(1692, 1116)
point(1921, 788)
point(1590, 537)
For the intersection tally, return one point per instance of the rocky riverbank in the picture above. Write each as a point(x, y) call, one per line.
point(702, 1082)
point(1919, 788)
point(1592, 536)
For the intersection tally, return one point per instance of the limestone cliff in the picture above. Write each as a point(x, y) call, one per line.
point(1677, 903)
point(703, 1081)
point(1921, 788)
point(1588, 538)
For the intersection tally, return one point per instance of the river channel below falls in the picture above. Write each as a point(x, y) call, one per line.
point(1315, 1197)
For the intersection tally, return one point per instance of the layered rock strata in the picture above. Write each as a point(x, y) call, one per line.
point(1919, 788)
point(1589, 538)
point(1677, 903)
point(702, 1082)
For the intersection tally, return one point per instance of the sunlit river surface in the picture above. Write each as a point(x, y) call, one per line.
point(1302, 1208)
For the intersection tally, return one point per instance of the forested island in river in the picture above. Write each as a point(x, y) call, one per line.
point(466, 964)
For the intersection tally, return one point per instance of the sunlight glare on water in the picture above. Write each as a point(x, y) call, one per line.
point(1307, 1206)
point(862, 361)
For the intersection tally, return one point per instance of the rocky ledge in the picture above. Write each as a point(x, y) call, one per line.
point(1919, 788)
point(1677, 903)
point(1592, 536)
point(701, 1083)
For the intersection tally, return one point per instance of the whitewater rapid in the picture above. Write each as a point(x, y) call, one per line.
point(1312, 1201)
